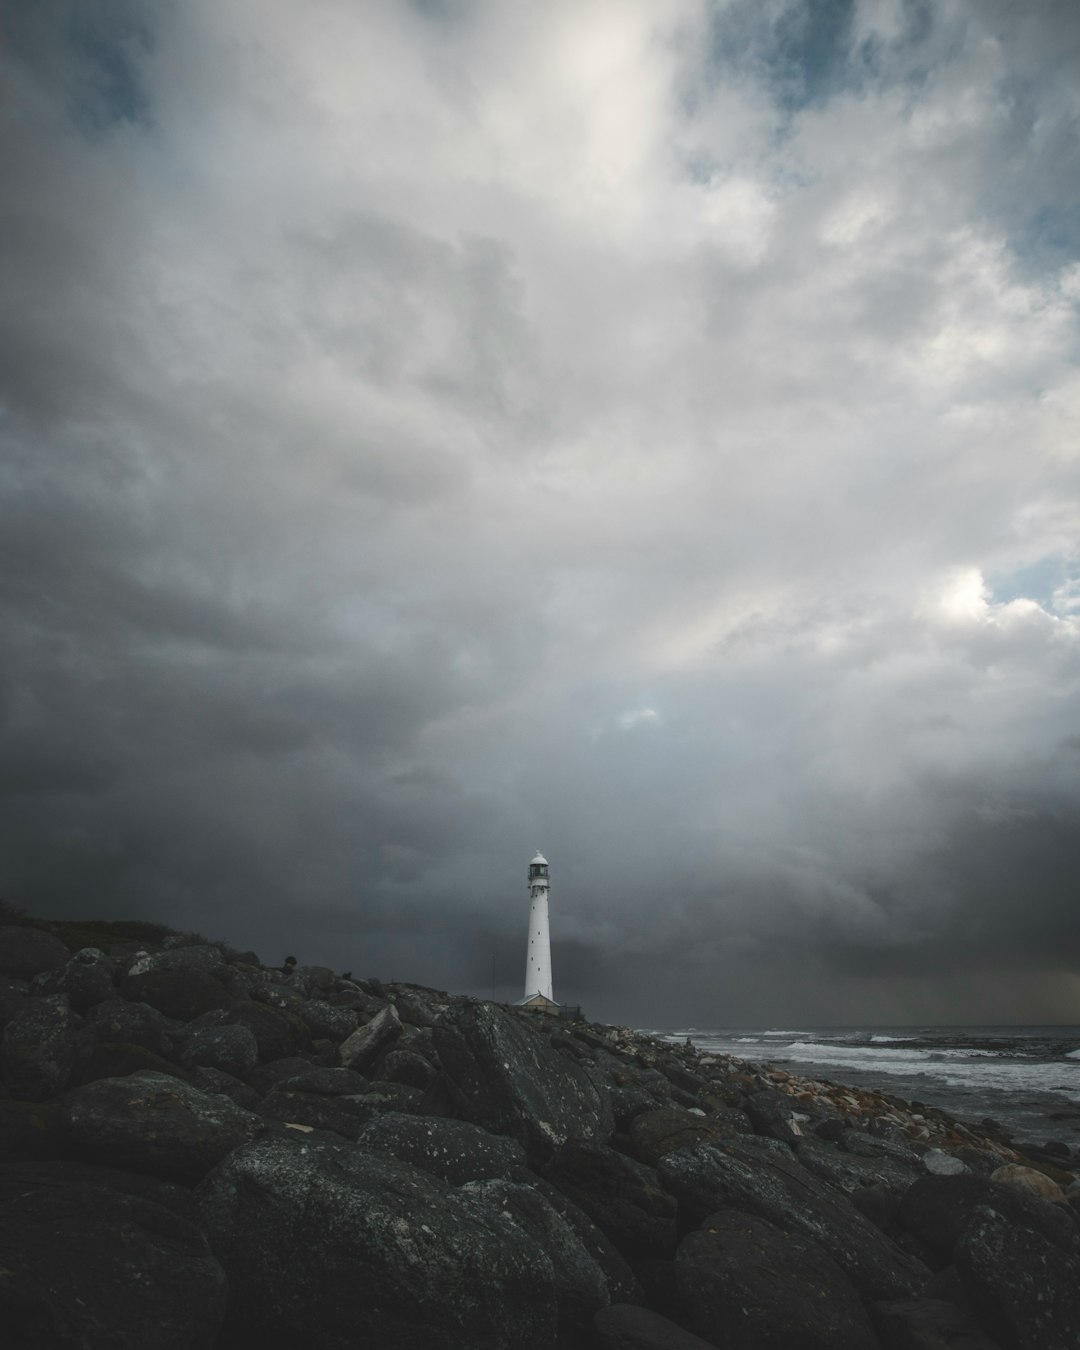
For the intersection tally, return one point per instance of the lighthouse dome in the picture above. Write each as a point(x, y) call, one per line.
point(539, 859)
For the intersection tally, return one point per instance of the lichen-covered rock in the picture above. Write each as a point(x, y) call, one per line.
point(186, 957)
point(39, 1048)
point(87, 1262)
point(338, 1247)
point(363, 1047)
point(326, 1022)
point(233, 1049)
point(581, 1288)
point(153, 1122)
point(748, 1285)
point(26, 952)
point(13, 996)
point(453, 1150)
point(117, 1060)
point(852, 1173)
point(624, 1198)
point(1028, 1179)
point(506, 1077)
point(1021, 1287)
point(342, 1115)
point(772, 1185)
point(218, 1081)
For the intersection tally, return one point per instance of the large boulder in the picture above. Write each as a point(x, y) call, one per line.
point(13, 996)
point(624, 1198)
point(505, 1076)
point(26, 952)
point(39, 1048)
point(152, 1122)
point(327, 1023)
point(363, 1047)
point(182, 995)
point(87, 1261)
point(233, 1049)
point(118, 1021)
point(770, 1184)
point(338, 1247)
point(344, 1115)
point(937, 1210)
point(1023, 1288)
point(852, 1173)
point(86, 979)
point(279, 1034)
point(456, 1151)
point(191, 957)
point(581, 1288)
point(748, 1285)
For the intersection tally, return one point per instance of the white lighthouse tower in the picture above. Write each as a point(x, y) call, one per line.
point(538, 954)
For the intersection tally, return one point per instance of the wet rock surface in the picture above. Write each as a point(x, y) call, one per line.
point(307, 1159)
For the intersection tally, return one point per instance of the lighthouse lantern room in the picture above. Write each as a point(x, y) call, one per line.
point(538, 954)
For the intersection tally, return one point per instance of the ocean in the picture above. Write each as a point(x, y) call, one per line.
point(1026, 1078)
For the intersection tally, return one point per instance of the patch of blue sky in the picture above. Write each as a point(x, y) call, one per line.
point(1038, 581)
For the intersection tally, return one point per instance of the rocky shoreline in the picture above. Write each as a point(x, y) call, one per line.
point(198, 1152)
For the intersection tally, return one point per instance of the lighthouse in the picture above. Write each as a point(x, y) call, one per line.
point(538, 953)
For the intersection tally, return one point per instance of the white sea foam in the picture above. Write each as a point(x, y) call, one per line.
point(1073, 1054)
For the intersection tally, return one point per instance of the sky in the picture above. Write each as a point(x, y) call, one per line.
point(433, 431)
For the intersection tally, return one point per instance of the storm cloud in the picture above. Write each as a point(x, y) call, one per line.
point(433, 431)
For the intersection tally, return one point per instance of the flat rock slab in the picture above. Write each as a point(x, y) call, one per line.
point(364, 1046)
point(777, 1188)
point(87, 1261)
point(506, 1077)
point(335, 1247)
point(748, 1285)
point(152, 1122)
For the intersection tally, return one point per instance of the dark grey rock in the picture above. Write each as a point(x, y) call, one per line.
point(181, 995)
point(623, 1326)
point(506, 1077)
point(361, 1049)
point(456, 1151)
point(772, 1114)
point(338, 1248)
point(188, 957)
point(279, 1033)
point(89, 1263)
point(266, 1076)
point(326, 1082)
point(39, 1048)
point(342, 1115)
point(325, 1022)
point(655, 1133)
point(152, 1122)
point(26, 952)
point(581, 1288)
point(623, 1197)
point(233, 1049)
point(938, 1209)
point(774, 1186)
point(117, 1060)
point(1022, 1287)
point(928, 1324)
point(402, 1066)
point(418, 1007)
point(748, 1285)
point(217, 1081)
point(86, 979)
point(850, 1172)
point(118, 1021)
point(13, 996)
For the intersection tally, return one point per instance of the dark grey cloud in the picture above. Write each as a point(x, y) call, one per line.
point(432, 432)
